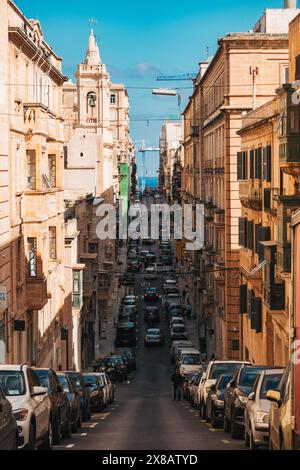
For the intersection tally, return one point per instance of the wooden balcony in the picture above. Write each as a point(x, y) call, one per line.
point(274, 296)
point(251, 194)
point(36, 291)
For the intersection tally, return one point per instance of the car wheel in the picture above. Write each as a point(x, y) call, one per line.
point(68, 428)
point(226, 424)
point(56, 431)
point(247, 438)
point(235, 430)
point(203, 411)
point(214, 421)
point(32, 437)
point(252, 445)
point(48, 439)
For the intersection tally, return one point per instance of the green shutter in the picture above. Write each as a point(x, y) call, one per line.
point(243, 299)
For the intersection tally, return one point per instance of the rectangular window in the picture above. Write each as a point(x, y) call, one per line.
point(52, 243)
point(30, 169)
point(243, 231)
point(32, 256)
point(243, 299)
point(52, 170)
point(267, 163)
point(258, 163)
point(267, 199)
point(294, 122)
point(113, 99)
point(250, 238)
point(252, 164)
point(65, 157)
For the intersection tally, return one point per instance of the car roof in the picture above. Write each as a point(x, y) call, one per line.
point(190, 350)
point(14, 367)
point(154, 330)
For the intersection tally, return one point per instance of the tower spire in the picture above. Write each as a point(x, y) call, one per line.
point(92, 55)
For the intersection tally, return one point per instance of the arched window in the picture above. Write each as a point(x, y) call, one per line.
point(91, 101)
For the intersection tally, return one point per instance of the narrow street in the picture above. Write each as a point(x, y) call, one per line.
point(144, 414)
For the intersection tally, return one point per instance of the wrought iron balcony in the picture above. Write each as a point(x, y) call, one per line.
point(274, 296)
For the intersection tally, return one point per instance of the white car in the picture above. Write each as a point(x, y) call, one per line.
point(189, 361)
point(175, 347)
point(257, 410)
point(104, 383)
point(176, 321)
point(178, 332)
point(30, 404)
point(151, 273)
point(214, 370)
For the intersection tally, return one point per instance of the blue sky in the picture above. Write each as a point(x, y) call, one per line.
point(139, 40)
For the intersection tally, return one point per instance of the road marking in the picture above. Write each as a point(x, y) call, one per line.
point(83, 434)
point(70, 446)
point(225, 441)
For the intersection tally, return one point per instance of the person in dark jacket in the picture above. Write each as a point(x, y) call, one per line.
point(177, 381)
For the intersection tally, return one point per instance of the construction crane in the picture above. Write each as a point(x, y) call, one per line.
point(184, 76)
point(143, 149)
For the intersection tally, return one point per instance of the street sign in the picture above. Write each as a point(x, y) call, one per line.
point(3, 298)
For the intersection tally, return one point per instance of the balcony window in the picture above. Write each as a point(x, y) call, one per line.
point(30, 169)
point(251, 164)
point(32, 256)
point(52, 170)
point(256, 314)
point(267, 152)
point(294, 121)
point(77, 289)
point(261, 234)
point(242, 165)
point(243, 299)
point(258, 164)
point(242, 231)
point(52, 243)
point(274, 292)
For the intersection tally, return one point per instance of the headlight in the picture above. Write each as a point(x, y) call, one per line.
point(93, 394)
point(243, 399)
point(219, 403)
point(262, 417)
point(21, 415)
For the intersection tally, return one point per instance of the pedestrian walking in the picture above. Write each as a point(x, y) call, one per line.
point(188, 309)
point(177, 381)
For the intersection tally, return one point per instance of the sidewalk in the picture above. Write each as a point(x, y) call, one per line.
point(108, 330)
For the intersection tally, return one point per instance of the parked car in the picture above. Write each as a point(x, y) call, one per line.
point(189, 361)
point(281, 414)
point(134, 266)
point(31, 406)
point(171, 299)
point(129, 358)
point(257, 410)
point(236, 398)
point(178, 332)
point(74, 400)
point(174, 348)
point(151, 273)
point(83, 393)
point(154, 337)
point(116, 363)
point(169, 283)
point(215, 401)
point(61, 414)
point(8, 425)
point(187, 384)
point(215, 369)
point(151, 294)
point(176, 321)
point(152, 314)
point(95, 388)
point(194, 389)
point(126, 334)
point(127, 279)
point(108, 387)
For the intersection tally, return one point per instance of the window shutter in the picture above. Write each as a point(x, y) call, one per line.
point(264, 236)
point(267, 199)
point(265, 162)
point(239, 166)
point(258, 163)
point(258, 315)
point(269, 163)
point(251, 164)
point(242, 231)
point(250, 241)
point(245, 165)
point(243, 299)
point(257, 234)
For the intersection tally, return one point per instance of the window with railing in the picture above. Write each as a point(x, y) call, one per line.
point(30, 169)
point(52, 243)
point(32, 256)
point(52, 170)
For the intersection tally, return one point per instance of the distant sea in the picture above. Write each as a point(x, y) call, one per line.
point(151, 182)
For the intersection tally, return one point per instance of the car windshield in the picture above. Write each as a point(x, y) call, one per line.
point(64, 383)
point(270, 382)
point(75, 379)
point(223, 368)
point(224, 381)
point(153, 333)
point(178, 329)
point(112, 361)
point(43, 376)
point(248, 377)
point(12, 383)
point(191, 359)
point(90, 380)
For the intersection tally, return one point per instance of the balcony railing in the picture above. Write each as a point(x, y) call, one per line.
point(251, 194)
point(274, 297)
point(36, 290)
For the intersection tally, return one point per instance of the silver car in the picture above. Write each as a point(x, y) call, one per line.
point(258, 409)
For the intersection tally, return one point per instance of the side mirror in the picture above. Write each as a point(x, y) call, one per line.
point(274, 396)
point(251, 396)
point(39, 391)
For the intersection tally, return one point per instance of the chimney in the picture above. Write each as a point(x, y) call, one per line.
point(290, 3)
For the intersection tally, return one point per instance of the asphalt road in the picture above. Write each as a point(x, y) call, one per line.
point(144, 416)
